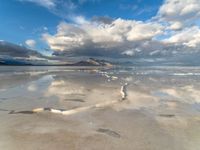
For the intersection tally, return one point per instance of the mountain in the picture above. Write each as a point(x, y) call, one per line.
point(12, 54)
point(93, 62)
point(1, 63)
point(23, 62)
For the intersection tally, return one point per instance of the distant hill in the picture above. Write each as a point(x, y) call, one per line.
point(13, 62)
point(1, 63)
point(88, 62)
point(15, 55)
point(93, 62)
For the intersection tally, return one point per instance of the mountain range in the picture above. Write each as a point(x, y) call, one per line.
point(12, 54)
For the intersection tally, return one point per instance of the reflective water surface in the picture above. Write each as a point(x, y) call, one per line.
point(161, 108)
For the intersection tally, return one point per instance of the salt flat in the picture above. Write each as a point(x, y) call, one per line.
point(160, 110)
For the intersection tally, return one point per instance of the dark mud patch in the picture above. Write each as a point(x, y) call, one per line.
point(109, 132)
point(1, 109)
point(75, 100)
point(3, 98)
point(167, 115)
point(22, 112)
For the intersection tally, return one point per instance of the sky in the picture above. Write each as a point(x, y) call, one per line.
point(101, 28)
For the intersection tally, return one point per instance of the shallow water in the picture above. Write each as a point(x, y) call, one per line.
point(161, 109)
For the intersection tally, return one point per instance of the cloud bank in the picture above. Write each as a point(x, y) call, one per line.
point(173, 34)
point(19, 55)
point(179, 13)
point(174, 30)
point(91, 37)
point(12, 50)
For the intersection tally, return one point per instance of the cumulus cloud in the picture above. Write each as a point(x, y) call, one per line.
point(179, 13)
point(188, 36)
point(128, 52)
point(30, 43)
point(104, 36)
point(97, 37)
point(174, 31)
point(102, 19)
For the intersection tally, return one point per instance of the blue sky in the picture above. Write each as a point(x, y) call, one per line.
point(114, 28)
point(24, 20)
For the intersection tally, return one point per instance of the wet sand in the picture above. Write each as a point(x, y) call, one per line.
point(159, 109)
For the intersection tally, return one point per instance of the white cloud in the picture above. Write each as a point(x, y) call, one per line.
point(118, 34)
point(128, 53)
point(45, 3)
point(189, 37)
point(172, 31)
point(61, 8)
point(30, 43)
point(45, 28)
point(179, 13)
point(176, 26)
point(79, 20)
